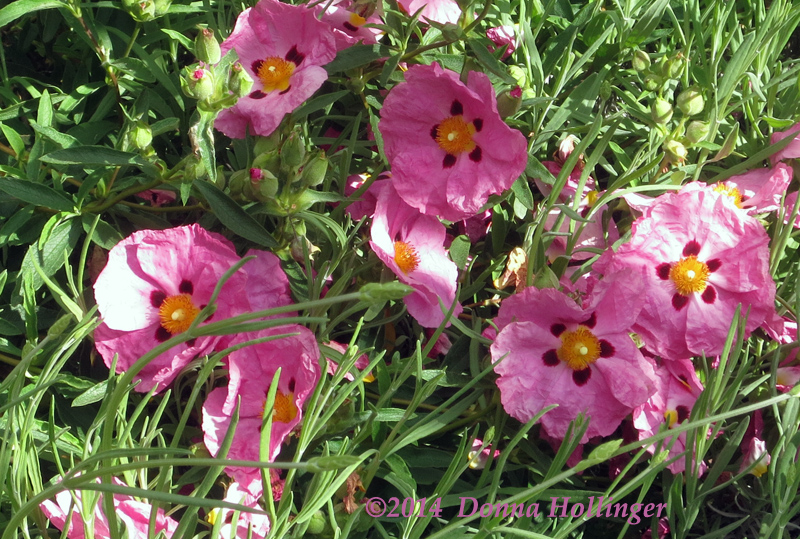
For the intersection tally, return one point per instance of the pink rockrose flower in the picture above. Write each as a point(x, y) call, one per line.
point(759, 190)
point(701, 257)
point(155, 284)
point(446, 143)
point(158, 197)
point(251, 370)
point(365, 206)
point(661, 533)
point(133, 514)
point(475, 227)
point(480, 456)
point(249, 525)
point(792, 151)
point(787, 378)
point(677, 389)
point(754, 448)
point(441, 11)
point(565, 149)
point(412, 246)
point(335, 351)
point(347, 19)
point(283, 48)
point(788, 209)
point(553, 351)
point(503, 36)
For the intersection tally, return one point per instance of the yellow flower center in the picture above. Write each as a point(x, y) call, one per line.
point(177, 313)
point(275, 73)
point(579, 348)
point(454, 135)
point(689, 275)
point(405, 256)
point(592, 197)
point(732, 192)
point(284, 409)
point(357, 20)
point(671, 417)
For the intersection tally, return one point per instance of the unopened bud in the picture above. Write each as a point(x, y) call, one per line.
point(661, 111)
point(293, 151)
point(653, 82)
point(316, 524)
point(268, 160)
point(264, 184)
point(697, 131)
point(691, 102)
point(198, 83)
point(239, 81)
point(675, 151)
point(140, 10)
point(141, 135)
point(641, 60)
point(452, 32)
point(206, 47)
point(314, 172)
point(193, 170)
point(162, 7)
point(509, 102)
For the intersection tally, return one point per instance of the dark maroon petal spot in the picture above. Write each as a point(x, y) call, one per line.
point(591, 321)
point(713, 265)
point(585, 211)
point(258, 94)
point(606, 349)
point(292, 385)
point(295, 56)
point(550, 358)
point(157, 297)
point(744, 198)
point(679, 301)
point(257, 65)
point(581, 377)
point(683, 413)
point(162, 334)
point(557, 329)
point(191, 342)
point(350, 27)
point(478, 123)
point(186, 287)
point(456, 108)
point(435, 131)
point(154, 197)
point(476, 155)
point(285, 91)
point(449, 160)
point(683, 379)
point(691, 248)
point(709, 295)
point(210, 316)
point(662, 270)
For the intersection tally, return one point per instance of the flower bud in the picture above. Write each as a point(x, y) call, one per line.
point(264, 184)
point(268, 160)
point(653, 82)
point(162, 6)
point(661, 111)
point(141, 135)
point(206, 47)
point(509, 102)
point(675, 151)
point(240, 185)
point(640, 61)
point(697, 131)
point(198, 83)
point(691, 102)
point(239, 81)
point(452, 32)
point(193, 169)
point(314, 171)
point(293, 151)
point(316, 524)
point(140, 10)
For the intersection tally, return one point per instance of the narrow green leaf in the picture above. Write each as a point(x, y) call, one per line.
point(36, 193)
point(17, 9)
point(62, 139)
point(233, 216)
point(319, 103)
point(180, 38)
point(459, 251)
point(356, 56)
point(488, 61)
point(97, 155)
point(14, 140)
point(136, 68)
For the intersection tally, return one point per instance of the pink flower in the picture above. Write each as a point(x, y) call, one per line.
point(155, 284)
point(158, 197)
point(792, 151)
point(441, 11)
point(677, 389)
point(759, 190)
point(347, 19)
point(253, 525)
point(565, 149)
point(447, 145)
point(787, 378)
point(283, 48)
point(554, 351)
point(412, 245)
point(251, 371)
point(477, 226)
point(503, 36)
point(788, 209)
point(334, 358)
point(754, 449)
point(478, 458)
point(663, 530)
point(134, 515)
point(701, 257)
point(590, 235)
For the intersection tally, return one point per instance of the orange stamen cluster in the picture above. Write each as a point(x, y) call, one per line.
point(454, 135)
point(405, 256)
point(689, 275)
point(579, 348)
point(275, 74)
point(177, 313)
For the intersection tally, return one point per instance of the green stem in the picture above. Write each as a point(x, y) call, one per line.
point(134, 35)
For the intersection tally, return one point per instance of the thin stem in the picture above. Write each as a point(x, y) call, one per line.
point(8, 150)
point(166, 209)
point(134, 35)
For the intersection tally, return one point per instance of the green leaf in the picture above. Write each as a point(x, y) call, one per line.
point(91, 395)
point(319, 103)
point(97, 155)
point(233, 216)
point(647, 23)
point(490, 62)
point(728, 146)
point(17, 9)
point(105, 235)
point(356, 56)
point(62, 139)
point(14, 140)
point(63, 237)
point(36, 193)
point(459, 251)
point(180, 38)
point(522, 191)
point(136, 68)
